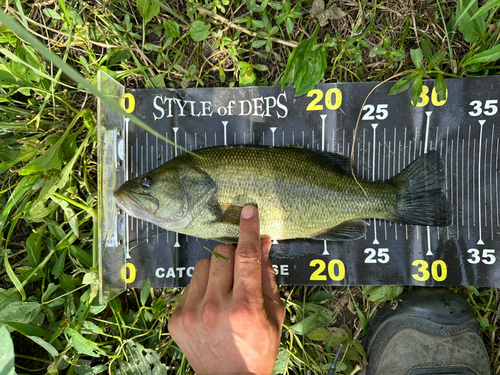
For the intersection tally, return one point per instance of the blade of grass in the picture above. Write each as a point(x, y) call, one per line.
point(10, 23)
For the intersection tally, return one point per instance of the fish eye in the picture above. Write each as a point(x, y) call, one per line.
point(146, 183)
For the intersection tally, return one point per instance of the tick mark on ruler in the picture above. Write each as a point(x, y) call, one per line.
point(480, 241)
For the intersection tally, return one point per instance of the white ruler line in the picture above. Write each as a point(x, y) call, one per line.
point(323, 118)
point(491, 180)
point(463, 183)
point(273, 129)
point(131, 164)
point(175, 129)
point(374, 126)
point(142, 160)
point(485, 187)
point(480, 241)
point(384, 159)
point(474, 183)
point(404, 147)
point(468, 186)
point(157, 151)
point(152, 156)
point(428, 114)
point(225, 132)
point(147, 153)
point(496, 183)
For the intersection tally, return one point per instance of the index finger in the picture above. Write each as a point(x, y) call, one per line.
point(248, 258)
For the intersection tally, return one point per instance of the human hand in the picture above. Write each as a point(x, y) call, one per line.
point(228, 321)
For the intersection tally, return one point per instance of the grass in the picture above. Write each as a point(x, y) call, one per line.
point(48, 166)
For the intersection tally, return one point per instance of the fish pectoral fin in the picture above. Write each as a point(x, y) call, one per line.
point(227, 213)
point(345, 231)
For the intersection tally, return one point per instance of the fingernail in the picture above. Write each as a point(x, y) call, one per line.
point(247, 212)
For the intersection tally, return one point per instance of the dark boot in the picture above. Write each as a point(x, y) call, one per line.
point(427, 331)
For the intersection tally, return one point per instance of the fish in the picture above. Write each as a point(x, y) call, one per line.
point(300, 193)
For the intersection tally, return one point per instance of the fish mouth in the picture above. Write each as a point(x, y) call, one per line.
point(136, 203)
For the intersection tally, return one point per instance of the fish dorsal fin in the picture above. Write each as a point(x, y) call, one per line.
point(345, 231)
point(335, 162)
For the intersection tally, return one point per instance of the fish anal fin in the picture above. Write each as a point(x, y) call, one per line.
point(346, 231)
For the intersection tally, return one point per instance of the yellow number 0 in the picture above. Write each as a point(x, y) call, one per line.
point(338, 99)
point(331, 270)
point(132, 273)
point(131, 102)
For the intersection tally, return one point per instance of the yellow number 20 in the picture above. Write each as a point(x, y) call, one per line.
point(329, 103)
point(336, 270)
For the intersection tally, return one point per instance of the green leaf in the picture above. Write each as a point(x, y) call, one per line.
point(34, 248)
point(486, 7)
point(416, 89)
point(83, 345)
point(147, 9)
point(51, 288)
point(475, 29)
point(70, 214)
point(19, 312)
point(441, 87)
point(59, 265)
point(13, 278)
point(322, 316)
point(402, 84)
point(378, 294)
point(489, 55)
point(319, 334)
point(171, 28)
point(199, 31)
point(281, 364)
point(140, 361)
point(25, 63)
point(51, 13)
point(44, 344)
point(6, 352)
point(337, 337)
point(145, 291)
point(29, 329)
point(436, 59)
point(247, 76)
point(90, 278)
point(426, 49)
point(84, 367)
point(49, 160)
point(306, 65)
point(417, 57)
point(258, 24)
point(321, 296)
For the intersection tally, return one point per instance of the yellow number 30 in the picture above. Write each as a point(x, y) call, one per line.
point(439, 271)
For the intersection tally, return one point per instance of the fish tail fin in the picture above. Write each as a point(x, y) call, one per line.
point(420, 186)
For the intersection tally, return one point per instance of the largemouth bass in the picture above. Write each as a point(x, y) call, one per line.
point(300, 193)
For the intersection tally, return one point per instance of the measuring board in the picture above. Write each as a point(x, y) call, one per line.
point(464, 128)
